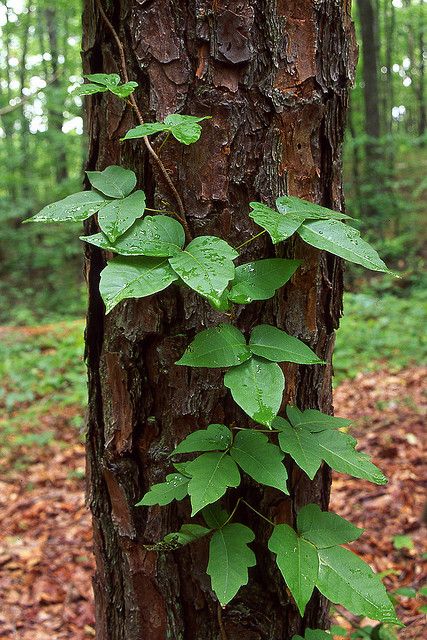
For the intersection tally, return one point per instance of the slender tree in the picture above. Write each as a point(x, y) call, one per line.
point(23, 132)
point(55, 94)
point(369, 32)
point(274, 78)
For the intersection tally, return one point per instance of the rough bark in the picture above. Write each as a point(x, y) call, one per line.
point(274, 77)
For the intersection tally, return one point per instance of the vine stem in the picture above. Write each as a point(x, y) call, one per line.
point(230, 517)
point(181, 217)
point(243, 501)
point(221, 624)
point(261, 233)
point(258, 513)
point(163, 143)
point(257, 430)
point(171, 213)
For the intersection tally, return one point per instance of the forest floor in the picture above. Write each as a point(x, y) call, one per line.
point(46, 559)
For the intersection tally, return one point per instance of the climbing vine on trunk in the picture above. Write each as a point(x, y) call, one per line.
point(153, 252)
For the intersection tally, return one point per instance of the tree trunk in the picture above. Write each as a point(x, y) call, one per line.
point(274, 77)
point(374, 174)
point(390, 31)
point(23, 131)
point(422, 109)
point(54, 95)
point(369, 29)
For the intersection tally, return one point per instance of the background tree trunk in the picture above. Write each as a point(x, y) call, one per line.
point(274, 78)
point(371, 98)
point(54, 107)
point(369, 29)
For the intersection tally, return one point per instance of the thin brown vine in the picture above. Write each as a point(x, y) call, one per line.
point(182, 216)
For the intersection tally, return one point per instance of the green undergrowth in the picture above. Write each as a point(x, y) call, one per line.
point(380, 331)
point(42, 370)
point(42, 383)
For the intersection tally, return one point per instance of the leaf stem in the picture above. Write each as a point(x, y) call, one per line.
point(221, 624)
point(258, 513)
point(164, 142)
point(230, 517)
point(261, 233)
point(181, 217)
point(257, 430)
point(172, 213)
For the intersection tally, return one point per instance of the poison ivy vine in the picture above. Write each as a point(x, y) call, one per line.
point(153, 252)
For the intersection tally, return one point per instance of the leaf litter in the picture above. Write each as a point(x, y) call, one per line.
point(46, 561)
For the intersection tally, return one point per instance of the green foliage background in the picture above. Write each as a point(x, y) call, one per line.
point(39, 163)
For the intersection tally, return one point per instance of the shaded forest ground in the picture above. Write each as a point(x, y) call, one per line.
point(45, 539)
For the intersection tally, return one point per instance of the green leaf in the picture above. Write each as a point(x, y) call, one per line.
point(214, 515)
point(423, 608)
point(221, 346)
point(257, 386)
point(75, 208)
point(181, 467)
point(156, 236)
point(114, 181)
point(260, 459)
point(298, 443)
point(314, 420)
point(305, 210)
point(106, 79)
point(403, 542)
point(125, 278)
point(345, 579)
point(119, 215)
point(297, 561)
point(324, 529)
point(89, 89)
point(206, 265)
point(259, 280)
point(316, 634)
point(184, 128)
point(388, 572)
point(124, 90)
point(211, 474)
point(146, 129)
point(336, 630)
point(422, 591)
point(384, 632)
point(337, 449)
point(217, 437)
point(364, 632)
point(342, 241)
point(407, 592)
point(221, 304)
point(229, 560)
point(279, 226)
point(276, 345)
point(294, 414)
point(107, 82)
point(174, 488)
point(187, 534)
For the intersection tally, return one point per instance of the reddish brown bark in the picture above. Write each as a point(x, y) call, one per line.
point(274, 77)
